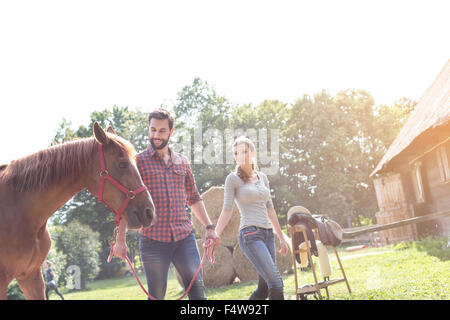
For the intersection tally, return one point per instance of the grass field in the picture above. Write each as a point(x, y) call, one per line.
point(407, 271)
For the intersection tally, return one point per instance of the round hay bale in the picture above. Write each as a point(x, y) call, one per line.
point(285, 263)
point(247, 272)
point(221, 273)
point(244, 268)
point(213, 200)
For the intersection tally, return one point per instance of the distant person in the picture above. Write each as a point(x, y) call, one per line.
point(50, 281)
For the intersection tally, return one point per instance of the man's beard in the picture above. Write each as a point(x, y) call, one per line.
point(161, 146)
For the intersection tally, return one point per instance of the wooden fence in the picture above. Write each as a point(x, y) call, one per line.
point(351, 233)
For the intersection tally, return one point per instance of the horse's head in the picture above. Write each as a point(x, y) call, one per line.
point(120, 165)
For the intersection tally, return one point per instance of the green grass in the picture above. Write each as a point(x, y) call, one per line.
point(406, 271)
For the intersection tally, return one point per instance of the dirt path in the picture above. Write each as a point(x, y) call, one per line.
point(360, 255)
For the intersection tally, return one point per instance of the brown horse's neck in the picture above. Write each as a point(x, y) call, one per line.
point(45, 203)
point(74, 169)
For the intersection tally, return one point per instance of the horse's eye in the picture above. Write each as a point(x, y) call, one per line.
point(123, 165)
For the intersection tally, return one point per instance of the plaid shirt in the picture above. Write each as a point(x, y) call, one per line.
point(171, 187)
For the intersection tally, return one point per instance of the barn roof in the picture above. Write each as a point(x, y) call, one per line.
point(432, 110)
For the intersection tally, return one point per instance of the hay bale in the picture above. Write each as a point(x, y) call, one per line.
point(285, 263)
point(246, 271)
point(213, 200)
point(221, 273)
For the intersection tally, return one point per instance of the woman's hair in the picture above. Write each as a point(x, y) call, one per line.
point(251, 146)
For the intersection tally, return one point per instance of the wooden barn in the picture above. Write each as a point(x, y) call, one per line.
point(413, 177)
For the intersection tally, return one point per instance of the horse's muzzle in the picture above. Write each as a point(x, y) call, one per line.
point(140, 217)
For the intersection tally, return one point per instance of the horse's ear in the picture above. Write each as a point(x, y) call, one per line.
point(110, 130)
point(99, 134)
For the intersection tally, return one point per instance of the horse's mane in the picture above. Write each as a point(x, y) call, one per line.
point(42, 169)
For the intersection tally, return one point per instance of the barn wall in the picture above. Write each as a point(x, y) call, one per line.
point(417, 209)
point(393, 207)
point(438, 192)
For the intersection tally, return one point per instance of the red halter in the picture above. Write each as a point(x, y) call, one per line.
point(104, 175)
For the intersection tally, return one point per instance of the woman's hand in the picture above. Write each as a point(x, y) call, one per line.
point(284, 247)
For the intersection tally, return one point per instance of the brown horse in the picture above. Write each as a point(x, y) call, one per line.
point(34, 187)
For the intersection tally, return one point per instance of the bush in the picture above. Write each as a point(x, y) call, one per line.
point(14, 292)
point(434, 246)
point(403, 245)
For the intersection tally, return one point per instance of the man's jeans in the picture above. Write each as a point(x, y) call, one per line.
point(259, 247)
point(156, 258)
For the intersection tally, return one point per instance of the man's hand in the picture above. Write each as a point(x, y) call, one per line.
point(199, 210)
point(120, 250)
point(211, 234)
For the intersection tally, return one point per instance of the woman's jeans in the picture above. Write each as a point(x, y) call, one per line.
point(259, 247)
point(156, 258)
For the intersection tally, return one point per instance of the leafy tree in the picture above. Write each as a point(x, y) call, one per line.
point(264, 123)
point(331, 145)
point(58, 258)
point(202, 117)
point(81, 246)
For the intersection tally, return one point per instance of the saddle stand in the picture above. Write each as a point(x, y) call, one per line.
point(312, 289)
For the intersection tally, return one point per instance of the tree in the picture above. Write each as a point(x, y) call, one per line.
point(57, 258)
point(201, 119)
point(81, 246)
point(263, 124)
point(331, 145)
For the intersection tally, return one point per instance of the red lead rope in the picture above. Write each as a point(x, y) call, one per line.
point(208, 251)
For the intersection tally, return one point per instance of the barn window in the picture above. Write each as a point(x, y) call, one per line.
point(442, 160)
point(418, 185)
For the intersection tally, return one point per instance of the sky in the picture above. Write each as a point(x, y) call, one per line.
point(66, 59)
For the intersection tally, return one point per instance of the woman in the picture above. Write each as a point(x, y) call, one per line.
point(50, 280)
point(250, 189)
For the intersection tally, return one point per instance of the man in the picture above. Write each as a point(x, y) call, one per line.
point(170, 239)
